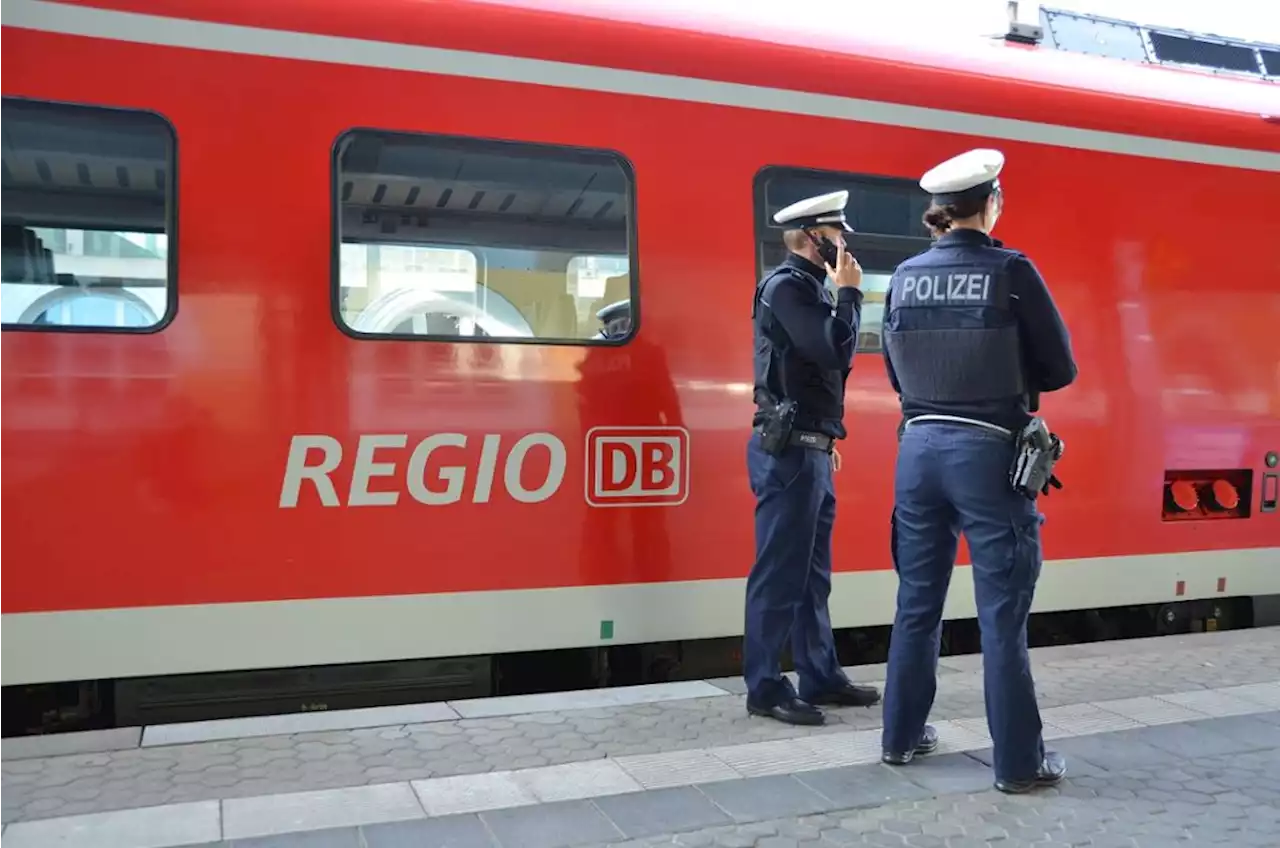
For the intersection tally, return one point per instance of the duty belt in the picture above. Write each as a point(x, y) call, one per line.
point(812, 440)
point(1036, 452)
point(807, 439)
point(996, 428)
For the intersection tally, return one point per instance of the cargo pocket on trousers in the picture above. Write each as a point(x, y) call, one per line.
point(1027, 552)
point(893, 539)
point(782, 471)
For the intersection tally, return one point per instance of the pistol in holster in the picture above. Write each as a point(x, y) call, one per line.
point(775, 430)
point(1036, 452)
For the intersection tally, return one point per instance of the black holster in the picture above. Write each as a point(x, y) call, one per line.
point(1036, 452)
point(775, 429)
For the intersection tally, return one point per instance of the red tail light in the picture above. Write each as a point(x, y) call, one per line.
point(1205, 495)
point(1185, 496)
point(1225, 495)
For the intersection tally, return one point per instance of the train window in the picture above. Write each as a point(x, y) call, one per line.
point(87, 213)
point(462, 239)
point(885, 212)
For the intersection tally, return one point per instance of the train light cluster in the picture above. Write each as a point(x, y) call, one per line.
point(1202, 495)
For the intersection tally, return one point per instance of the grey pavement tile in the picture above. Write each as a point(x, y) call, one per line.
point(1192, 741)
point(148, 827)
point(1077, 766)
point(756, 798)
point(1253, 731)
point(857, 673)
point(61, 744)
point(960, 663)
point(948, 773)
point(734, 685)
point(292, 723)
point(1113, 751)
point(657, 811)
point(353, 806)
point(347, 837)
point(584, 699)
point(1272, 717)
point(862, 786)
point(556, 825)
point(445, 832)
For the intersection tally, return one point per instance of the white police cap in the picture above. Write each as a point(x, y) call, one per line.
point(973, 174)
point(825, 210)
point(614, 311)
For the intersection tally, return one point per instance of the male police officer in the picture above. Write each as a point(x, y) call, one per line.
point(972, 337)
point(615, 320)
point(803, 355)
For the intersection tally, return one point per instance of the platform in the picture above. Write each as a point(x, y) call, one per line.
point(1170, 740)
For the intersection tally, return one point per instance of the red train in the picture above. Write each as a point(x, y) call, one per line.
point(301, 356)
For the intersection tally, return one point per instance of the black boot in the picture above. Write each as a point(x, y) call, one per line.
point(927, 745)
point(791, 711)
point(850, 695)
point(1052, 769)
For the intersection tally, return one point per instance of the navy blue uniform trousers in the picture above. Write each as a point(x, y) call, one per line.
point(953, 478)
point(790, 581)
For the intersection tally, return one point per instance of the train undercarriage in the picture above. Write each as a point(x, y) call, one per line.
point(100, 704)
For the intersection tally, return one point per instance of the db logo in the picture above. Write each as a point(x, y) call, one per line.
point(637, 466)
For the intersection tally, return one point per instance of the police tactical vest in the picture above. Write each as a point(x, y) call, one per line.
point(770, 342)
point(951, 333)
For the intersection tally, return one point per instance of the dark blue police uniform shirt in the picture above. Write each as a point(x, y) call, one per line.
point(1047, 360)
point(817, 343)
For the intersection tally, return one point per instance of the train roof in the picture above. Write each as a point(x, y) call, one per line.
point(846, 52)
point(858, 32)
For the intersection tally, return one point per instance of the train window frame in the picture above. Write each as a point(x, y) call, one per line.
point(903, 247)
point(484, 145)
point(171, 202)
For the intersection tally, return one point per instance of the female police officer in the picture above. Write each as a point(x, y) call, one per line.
point(972, 337)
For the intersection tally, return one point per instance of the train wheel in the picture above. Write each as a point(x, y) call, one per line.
point(1172, 618)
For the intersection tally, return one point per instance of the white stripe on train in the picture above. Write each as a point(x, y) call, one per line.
point(41, 647)
point(253, 41)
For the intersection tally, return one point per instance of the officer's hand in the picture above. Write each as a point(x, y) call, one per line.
point(835, 459)
point(847, 271)
point(1052, 481)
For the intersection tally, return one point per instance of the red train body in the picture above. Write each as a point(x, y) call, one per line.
point(266, 470)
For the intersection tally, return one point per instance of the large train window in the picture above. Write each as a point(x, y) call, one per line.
point(87, 214)
point(885, 212)
point(455, 238)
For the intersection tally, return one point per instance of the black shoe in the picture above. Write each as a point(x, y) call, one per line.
point(1052, 769)
point(850, 695)
point(791, 711)
point(927, 745)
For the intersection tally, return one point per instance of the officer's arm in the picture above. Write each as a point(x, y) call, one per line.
point(1045, 339)
point(822, 338)
point(884, 323)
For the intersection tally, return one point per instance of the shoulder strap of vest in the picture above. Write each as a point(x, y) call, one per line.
point(768, 281)
point(772, 393)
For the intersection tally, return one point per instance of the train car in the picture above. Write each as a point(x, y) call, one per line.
point(305, 388)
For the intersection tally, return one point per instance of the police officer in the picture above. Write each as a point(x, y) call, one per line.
point(615, 320)
point(803, 354)
point(972, 337)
